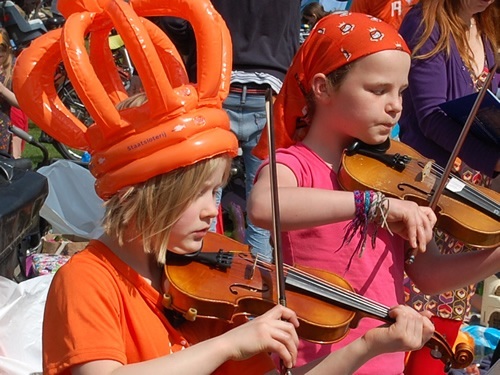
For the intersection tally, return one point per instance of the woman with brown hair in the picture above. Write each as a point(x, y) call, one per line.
point(453, 45)
point(312, 13)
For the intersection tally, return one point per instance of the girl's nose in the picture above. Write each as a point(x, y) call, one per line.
point(395, 105)
point(211, 209)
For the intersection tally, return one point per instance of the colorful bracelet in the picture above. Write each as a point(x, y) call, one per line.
point(370, 207)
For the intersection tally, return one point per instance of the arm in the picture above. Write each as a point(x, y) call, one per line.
point(410, 332)
point(435, 273)
point(304, 207)
point(275, 331)
point(272, 332)
point(8, 95)
point(436, 80)
point(299, 207)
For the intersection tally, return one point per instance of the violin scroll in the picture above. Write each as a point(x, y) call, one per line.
point(441, 350)
point(464, 355)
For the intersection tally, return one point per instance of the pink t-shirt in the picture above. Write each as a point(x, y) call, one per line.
point(377, 274)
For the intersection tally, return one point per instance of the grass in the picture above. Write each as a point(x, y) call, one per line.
point(34, 153)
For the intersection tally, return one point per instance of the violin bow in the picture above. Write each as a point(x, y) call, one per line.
point(276, 231)
point(461, 139)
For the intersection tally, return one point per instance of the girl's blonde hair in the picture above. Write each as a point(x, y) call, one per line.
point(445, 13)
point(8, 65)
point(151, 208)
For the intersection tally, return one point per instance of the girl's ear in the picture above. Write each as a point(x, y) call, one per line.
point(320, 87)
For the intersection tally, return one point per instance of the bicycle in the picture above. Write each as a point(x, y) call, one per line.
point(71, 100)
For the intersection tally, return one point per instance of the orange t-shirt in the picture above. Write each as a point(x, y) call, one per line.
point(98, 308)
point(390, 11)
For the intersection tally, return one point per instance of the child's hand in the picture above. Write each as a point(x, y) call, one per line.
point(410, 331)
point(272, 332)
point(412, 222)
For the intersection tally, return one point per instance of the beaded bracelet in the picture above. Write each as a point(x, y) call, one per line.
point(370, 207)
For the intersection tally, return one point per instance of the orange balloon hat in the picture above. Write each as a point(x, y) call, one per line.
point(180, 123)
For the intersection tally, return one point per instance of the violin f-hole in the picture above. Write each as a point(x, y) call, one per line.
point(234, 288)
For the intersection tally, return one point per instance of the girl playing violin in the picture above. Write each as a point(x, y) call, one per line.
point(104, 312)
point(158, 168)
point(345, 83)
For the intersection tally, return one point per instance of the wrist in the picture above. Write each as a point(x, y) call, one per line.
point(225, 348)
point(359, 351)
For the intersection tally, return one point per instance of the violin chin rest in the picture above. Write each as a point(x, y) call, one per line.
point(358, 145)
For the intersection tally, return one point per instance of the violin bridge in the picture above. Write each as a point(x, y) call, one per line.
point(426, 171)
point(254, 266)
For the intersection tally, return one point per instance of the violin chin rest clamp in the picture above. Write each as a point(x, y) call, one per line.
point(191, 314)
point(166, 301)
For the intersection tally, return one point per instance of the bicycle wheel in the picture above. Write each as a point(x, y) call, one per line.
point(70, 99)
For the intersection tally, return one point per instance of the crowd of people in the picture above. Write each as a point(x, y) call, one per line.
point(161, 158)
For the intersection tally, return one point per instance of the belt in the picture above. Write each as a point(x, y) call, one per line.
point(248, 88)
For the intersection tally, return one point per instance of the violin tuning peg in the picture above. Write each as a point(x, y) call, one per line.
point(435, 353)
point(447, 367)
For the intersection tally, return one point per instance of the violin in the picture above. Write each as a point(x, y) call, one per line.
point(467, 212)
point(225, 281)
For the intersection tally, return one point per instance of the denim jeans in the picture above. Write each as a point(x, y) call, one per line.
point(247, 114)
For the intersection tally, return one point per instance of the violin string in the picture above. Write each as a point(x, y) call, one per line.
point(369, 306)
point(437, 171)
point(354, 298)
point(437, 341)
point(347, 294)
point(477, 194)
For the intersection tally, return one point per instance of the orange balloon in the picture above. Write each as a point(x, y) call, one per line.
point(33, 83)
point(179, 124)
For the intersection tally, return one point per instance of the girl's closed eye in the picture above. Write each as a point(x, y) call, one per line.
point(378, 90)
point(209, 188)
point(204, 190)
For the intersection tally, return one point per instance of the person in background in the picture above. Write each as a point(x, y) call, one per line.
point(18, 118)
point(390, 11)
point(312, 13)
point(453, 46)
point(443, 69)
point(329, 5)
point(7, 97)
point(345, 84)
point(265, 36)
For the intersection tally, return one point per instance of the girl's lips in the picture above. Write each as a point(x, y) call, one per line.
point(201, 232)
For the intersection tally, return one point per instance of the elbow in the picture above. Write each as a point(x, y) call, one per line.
point(429, 289)
point(429, 285)
point(259, 211)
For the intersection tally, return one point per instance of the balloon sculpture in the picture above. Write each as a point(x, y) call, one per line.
point(179, 124)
